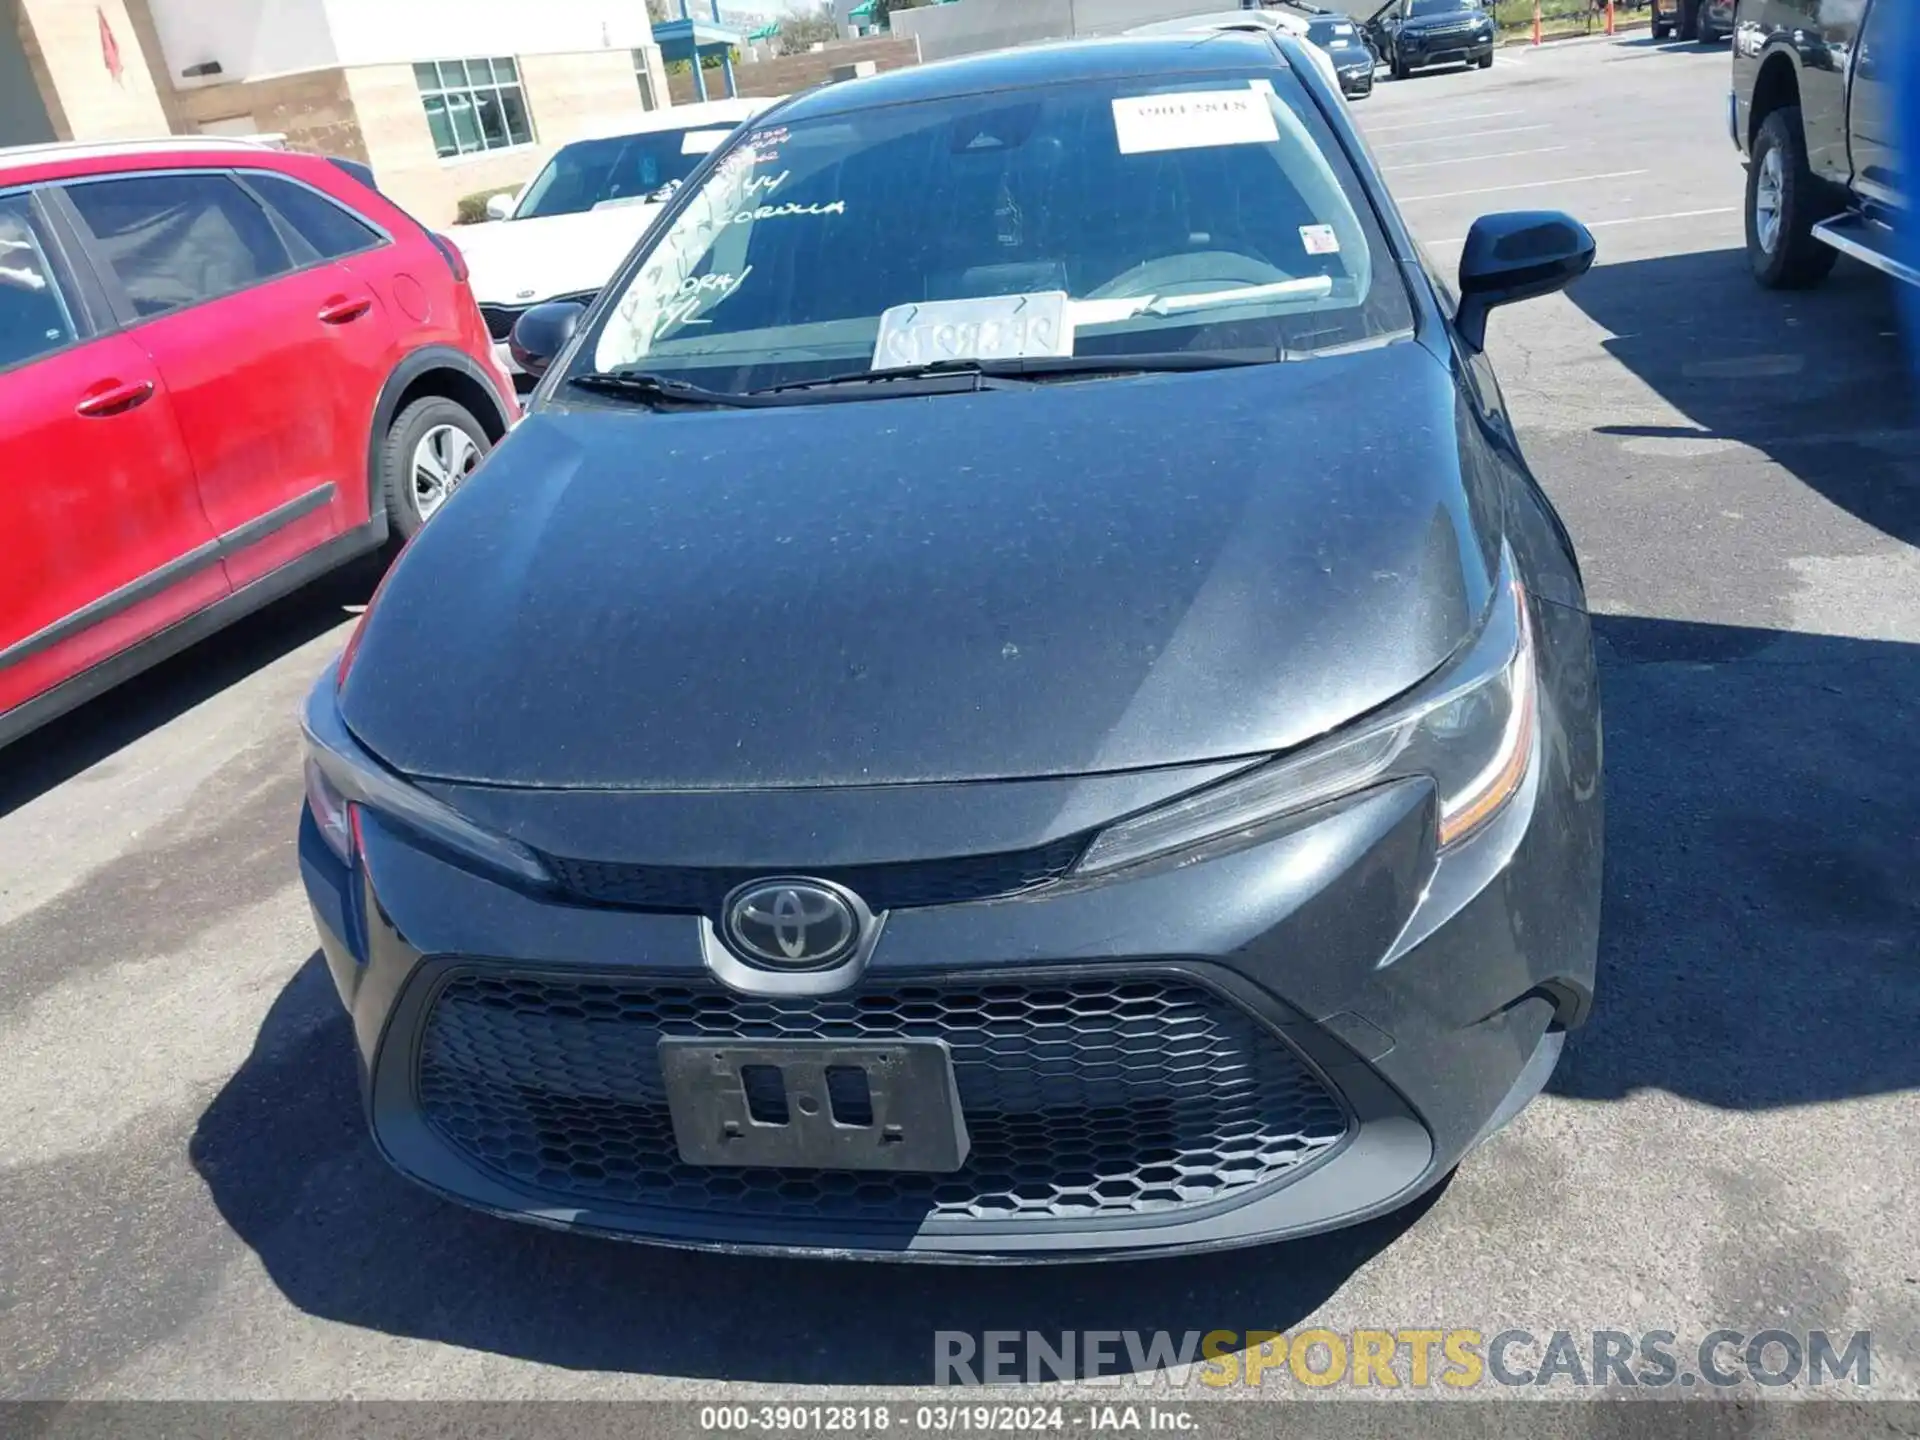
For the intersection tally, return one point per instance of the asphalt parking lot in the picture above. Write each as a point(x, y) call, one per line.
point(191, 1208)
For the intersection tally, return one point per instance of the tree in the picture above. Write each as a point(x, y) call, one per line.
point(809, 27)
point(883, 11)
point(659, 10)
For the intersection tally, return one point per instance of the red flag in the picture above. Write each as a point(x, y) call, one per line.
point(109, 47)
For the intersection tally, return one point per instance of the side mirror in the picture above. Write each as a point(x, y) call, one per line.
point(1517, 255)
point(500, 207)
point(542, 333)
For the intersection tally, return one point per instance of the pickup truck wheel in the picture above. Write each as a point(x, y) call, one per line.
point(1689, 19)
point(1785, 200)
point(1661, 29)
point(433, 445)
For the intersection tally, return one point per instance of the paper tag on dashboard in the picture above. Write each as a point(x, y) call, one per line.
point(1192, 120)
point(703, 142)
point(997, 327)
point(1319, 240)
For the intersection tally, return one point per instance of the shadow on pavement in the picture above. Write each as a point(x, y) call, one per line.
point(1758, 952)
point(1817, 380)
point(81, 738)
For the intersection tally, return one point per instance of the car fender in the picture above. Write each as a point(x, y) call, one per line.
point(414, 366)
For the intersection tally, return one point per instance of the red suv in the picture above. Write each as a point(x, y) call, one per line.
point(224, 369)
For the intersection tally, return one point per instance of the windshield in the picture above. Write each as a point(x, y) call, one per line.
point(1441, 7)
point(1107, 218)
point(622, 169)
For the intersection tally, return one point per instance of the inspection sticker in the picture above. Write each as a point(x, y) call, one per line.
point(1319, 240)
point(1192, 120)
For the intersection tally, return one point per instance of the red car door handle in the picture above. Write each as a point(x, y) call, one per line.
point(112, 397)
point(342, 309)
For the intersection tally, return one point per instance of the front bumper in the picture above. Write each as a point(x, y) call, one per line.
point(1295, 1036)
point(1418, 51)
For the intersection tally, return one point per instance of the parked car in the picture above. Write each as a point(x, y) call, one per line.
point(1815, 112)
point(1707, 20)
point(1336, 46)
point(1053, 720)
point(1411, 35)
point(224, 369)
point(562, 235)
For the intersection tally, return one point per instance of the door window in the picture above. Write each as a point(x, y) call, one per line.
point(35, 318)
point(175, 240)
point(329, 229)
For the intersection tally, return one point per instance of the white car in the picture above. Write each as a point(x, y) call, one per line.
point(563, 236)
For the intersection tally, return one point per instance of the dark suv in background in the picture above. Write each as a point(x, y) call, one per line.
point(1813, 107)
point(1411, 34)
point(1706, 20)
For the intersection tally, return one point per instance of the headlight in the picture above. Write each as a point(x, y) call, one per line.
point(342, 776)
point(1471, 730)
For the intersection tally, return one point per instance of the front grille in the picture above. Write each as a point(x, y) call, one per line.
point(500, 319)
point(1085, 1099)
point(897, 886)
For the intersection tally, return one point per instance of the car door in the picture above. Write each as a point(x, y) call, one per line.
point(273, 354)
point(103, 539)
point(1872, 113)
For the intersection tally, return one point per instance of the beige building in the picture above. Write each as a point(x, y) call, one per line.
point(443, 98)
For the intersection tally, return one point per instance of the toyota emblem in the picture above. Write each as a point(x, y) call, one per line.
point(791, 924)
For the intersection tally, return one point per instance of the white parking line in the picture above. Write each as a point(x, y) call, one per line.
point(1623, 220)
point(1471, 159)
point(1460, 135)
point(1508, 60)
point(1527, 185)
point(1451, 120)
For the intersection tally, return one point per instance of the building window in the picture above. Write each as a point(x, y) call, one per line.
point(643, 72)
point(474, 105)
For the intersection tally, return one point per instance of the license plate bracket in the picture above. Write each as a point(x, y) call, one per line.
point(815, 1104)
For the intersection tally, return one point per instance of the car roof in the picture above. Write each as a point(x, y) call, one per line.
point(25, 164)
point(1223, 20)
point(1191, 52)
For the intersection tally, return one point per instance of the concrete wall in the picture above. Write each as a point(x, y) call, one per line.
point(61, 43)
point(314, 110)
point(971, 26)
point(256, 38)
point(788, 73)
point(23, 114)
point(248, 38)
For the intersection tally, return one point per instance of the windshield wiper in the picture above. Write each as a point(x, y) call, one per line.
point(641, 386)
point(1036, 368)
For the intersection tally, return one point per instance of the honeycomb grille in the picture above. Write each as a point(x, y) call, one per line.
point(882, 887)
point(1084, 1100)
point(500, 319)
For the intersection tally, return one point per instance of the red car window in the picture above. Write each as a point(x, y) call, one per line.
point(175, 240)
point(35, 318)
point(331, 230)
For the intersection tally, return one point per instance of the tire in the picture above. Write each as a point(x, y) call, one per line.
point(1793, 260)
point(435, 427)
point(1660, 31)
point(1689, 19)
point(1485, 62)
point(1399, 67)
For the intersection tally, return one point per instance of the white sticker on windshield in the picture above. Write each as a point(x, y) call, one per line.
point(1319, 240)
point(702, 142)
point(1192, 120)
point(997, 327)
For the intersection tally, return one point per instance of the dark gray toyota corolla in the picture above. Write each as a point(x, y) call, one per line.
point(1012, 697)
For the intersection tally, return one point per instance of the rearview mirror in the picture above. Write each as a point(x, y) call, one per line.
point(1517, 255)
point(500, 207)
point(542, 333)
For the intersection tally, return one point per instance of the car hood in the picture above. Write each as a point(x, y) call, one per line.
point(522, 262)
point(1069, 579)
point(1453, 20)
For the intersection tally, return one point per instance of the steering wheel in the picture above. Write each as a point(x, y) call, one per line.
point(1202, 267)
